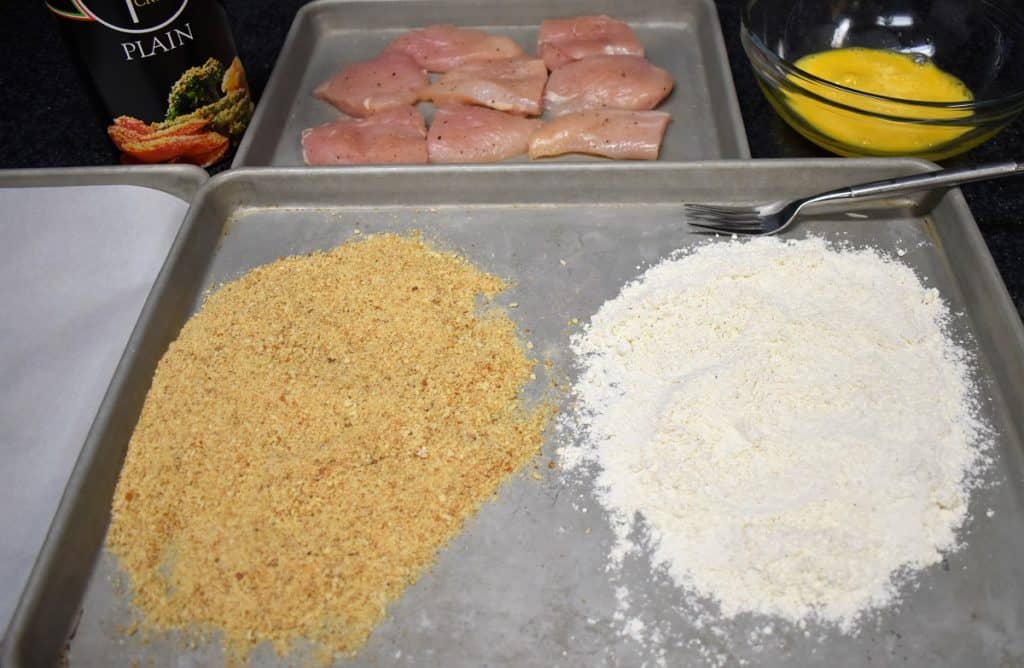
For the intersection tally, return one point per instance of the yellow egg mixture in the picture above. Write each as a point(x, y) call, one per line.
point(886, 73)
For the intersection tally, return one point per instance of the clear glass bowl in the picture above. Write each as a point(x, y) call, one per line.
point(981, 42)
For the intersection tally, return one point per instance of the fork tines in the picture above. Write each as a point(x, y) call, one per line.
point(723, 218)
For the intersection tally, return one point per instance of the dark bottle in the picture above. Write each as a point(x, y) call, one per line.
point(168, 73)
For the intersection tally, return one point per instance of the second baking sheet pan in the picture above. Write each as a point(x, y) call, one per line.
point(525, 583)
point(681, 36)
point(81, 248)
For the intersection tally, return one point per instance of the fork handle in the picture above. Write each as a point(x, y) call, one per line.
point(942, 178)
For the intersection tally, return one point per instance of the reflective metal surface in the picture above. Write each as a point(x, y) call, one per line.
point(681, 36)
point(525, 584)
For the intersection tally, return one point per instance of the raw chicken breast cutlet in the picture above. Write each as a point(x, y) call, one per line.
point(515, 86)
point(611, 133)
point(607, 82)
point(394, 136)
point(440, 48)
point(600, 89)
point(390, 80)
point(463, 133)
point(562, 41)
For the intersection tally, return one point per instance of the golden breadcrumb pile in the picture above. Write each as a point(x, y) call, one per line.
point(317, 432)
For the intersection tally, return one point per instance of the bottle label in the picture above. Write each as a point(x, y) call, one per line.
point(168, 73)
point(143, 16)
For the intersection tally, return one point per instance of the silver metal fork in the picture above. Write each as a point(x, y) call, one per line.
point(774, 217)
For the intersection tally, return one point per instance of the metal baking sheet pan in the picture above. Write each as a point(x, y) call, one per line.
point(79, 251)
point(525, 583)
point(681, 36)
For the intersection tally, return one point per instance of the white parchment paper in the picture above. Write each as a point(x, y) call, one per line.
point(76, 265)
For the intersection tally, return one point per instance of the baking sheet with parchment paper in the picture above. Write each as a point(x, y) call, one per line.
point(76, 265)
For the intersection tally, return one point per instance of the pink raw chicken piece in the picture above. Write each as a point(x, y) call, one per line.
point(463, 133)
point(361, 89)
point(607, 82)
point(394, 136)
point(440, 48)
point(562, 41)
point(612, 133)
point(516, 86)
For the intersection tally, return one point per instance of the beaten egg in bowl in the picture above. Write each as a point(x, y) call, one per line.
point(843, 113)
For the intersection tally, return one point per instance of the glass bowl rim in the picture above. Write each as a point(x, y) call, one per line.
point(804, 77)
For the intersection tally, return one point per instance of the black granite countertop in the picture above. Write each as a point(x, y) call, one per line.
point(48, 118)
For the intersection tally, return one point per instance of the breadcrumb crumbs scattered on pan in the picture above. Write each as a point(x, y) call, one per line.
point(318, 431)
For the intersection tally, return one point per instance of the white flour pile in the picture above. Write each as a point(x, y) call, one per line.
point(789, 421)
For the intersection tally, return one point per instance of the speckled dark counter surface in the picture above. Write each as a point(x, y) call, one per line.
point(47, 118)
